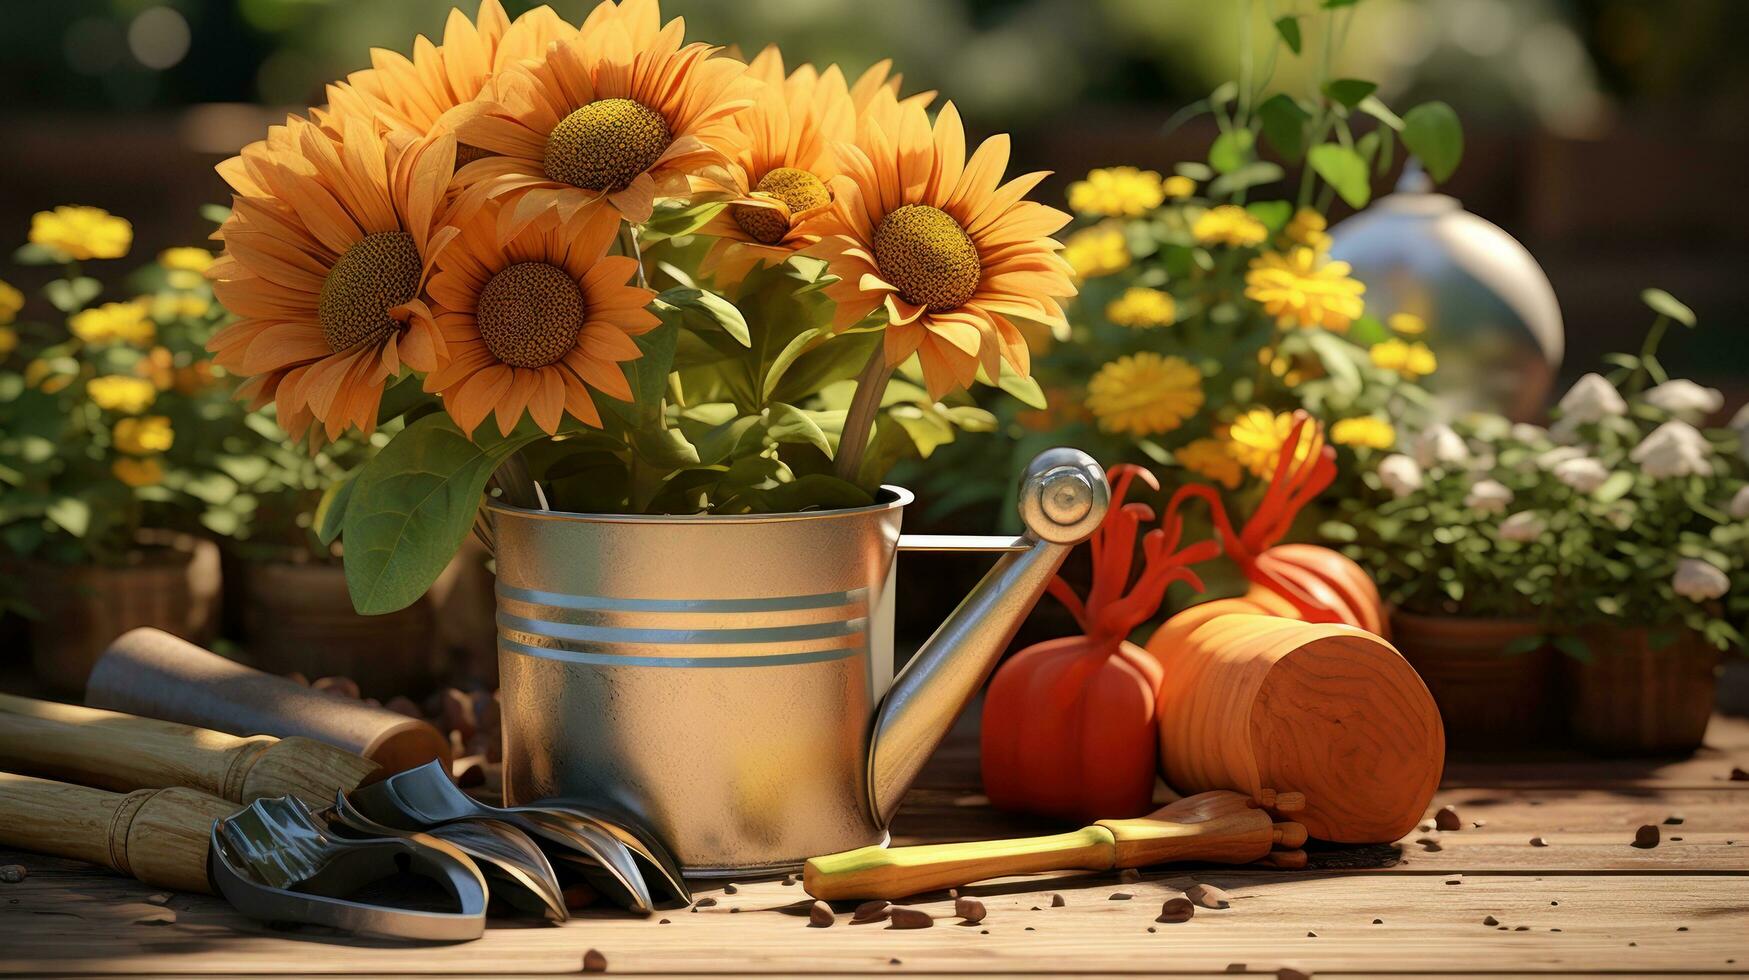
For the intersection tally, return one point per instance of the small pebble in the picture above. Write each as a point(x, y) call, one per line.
point(1646, 836)
point(871, 911)
point(161, 898)
point(1130, 876)
point(1207, 896)
point(663, 922)
point(1429, 844)
point(734, 908)
point(1447, 819)
point(1177, 910)
point(1152, 929)
point(1681, 928)
point(1673, 819)
point(1478, 824)
point(906, 918)
point(1121, 896)
point(789, 880)
point(894, 961)
point(731, 889)
point(1311, 935)
point(1538, 842)
point(1057, 902)
point(1522, 929)
point(1738, 775)
point(953, 893)
point(12, 874)
point(1378, 922)
point(1030, 929)
point(820, 915)
point(1490, 921)
point(1675, 838)
point(1424, 826)
point(1286, 973)
point(594, 962)
point(969, 909)
point(983, 932)
point(705, 903)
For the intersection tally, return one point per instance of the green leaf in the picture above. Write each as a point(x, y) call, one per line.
point(34, 254)
point(787, 423)
point(71, 515)
point(1664, 304)
point(1525, 644)
point(330, 516)
point(1378, 110)
point(1339, 357)
point(704, 309)
point(1231, 150)
point(1274, 214)
point(410, 507)
point(1289, 29)
point(1432, 132)
point(677, 220)
point(1284, 125)
point(1025, 390)
point(1250, 175)
point(1573, 647)
point(1344, 170)
point(1614, 488)
point(71, 295)
point(1366, 331)
point(1348, 91)
point(1333, 4)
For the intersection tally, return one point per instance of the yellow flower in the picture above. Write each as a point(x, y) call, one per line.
point(1412, 361)
point(1097, 251)
point(11, 301)
point(1140, 306)
point(8, 341)
point(121, 393)
point(143, 435)
point(1117, 192)
point(1145, 393)
point(1256, 437)
point(185, 259)
point(1369, 431)
point(1229, 224)
point(1300, 290)
point(82, 232)
point(1407, 324)
point(1178, 186)
point(1307, 229)
point(194, 378)
point(137, 472)
point(158, 367)
point(1209, 459)
point(183, 279)
point(112, 322)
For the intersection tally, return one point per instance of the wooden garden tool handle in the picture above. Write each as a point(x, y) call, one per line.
point(1219, 826)
point(149, 672)
point(114, 751)
point(160, 836)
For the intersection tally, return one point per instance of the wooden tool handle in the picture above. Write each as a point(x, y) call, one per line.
point(114, 751)
point(149, 672)
point(895, 872)
point(160, 836)
point(1219, 826)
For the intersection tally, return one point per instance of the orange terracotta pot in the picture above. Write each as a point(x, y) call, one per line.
point(1634, 699)
point(1268, 705)
point(1488, 697)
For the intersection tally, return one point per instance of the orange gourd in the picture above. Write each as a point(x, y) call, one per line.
point(1069, 726)
point(1319, 584)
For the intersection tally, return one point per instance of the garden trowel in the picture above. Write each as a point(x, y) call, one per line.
point(1221, 827)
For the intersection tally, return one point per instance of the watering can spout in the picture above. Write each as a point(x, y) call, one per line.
point(1063, 498)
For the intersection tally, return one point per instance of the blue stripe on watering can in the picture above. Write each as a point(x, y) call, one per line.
point(620, 660)
point(626, 634)
point(560, 600)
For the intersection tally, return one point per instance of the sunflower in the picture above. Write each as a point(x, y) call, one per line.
point(1145, 393)
point(1301, 289)
point(326, 250)
point(433, 89)
point(1209, 459)
point(79, 232)
point(536, 322)
point(1097, 251)
point(1117, 192)
point(1141, 307)
point(1255, 439)
point(782, 165)
point(940, 246)
point(623, 112)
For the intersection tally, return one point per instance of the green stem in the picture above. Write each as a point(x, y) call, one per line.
point(1648, 351)
point(871, 385)
point(628, 243)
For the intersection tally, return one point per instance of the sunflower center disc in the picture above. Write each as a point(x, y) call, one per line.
point(378, 273)
point(925, 253)
point(797, 189)
point(606, 144)
point(530, 314)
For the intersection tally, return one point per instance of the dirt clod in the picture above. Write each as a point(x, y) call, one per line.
point(12, 874)
point(594, 962)
point(705, 902)
point(1646, 836)
point(1288, 973)
point(1490, 921)
point(789, 880)
point(1538, 842)
point(1176, 910)
point(871, 911)
point(1057, 901)
point(1739, 775)
point(1448, 819)
point(820, 915)
point(1673, 820)
point(906, 918)
point(1207, 896)
point(969, 909)
point(1129, 876)
point(1121, 896)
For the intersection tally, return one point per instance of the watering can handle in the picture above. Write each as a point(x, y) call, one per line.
point(1063, 499)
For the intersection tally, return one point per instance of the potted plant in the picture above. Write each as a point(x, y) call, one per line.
point(656, 324)
point(105, 474)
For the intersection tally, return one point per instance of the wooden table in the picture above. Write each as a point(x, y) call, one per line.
point(1587, 902)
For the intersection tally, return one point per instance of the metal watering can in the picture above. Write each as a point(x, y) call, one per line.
point(729, 679)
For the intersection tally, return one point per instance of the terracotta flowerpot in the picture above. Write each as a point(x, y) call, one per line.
point(1634, 699)
point(1488, 697)
point(172, 582)
point(466, 611)
point(300, 618)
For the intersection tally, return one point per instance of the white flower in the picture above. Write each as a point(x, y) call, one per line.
point(1526, 525)
point(1488, 495)
point(1592, 399)
point(1740, 421)
point(1440, 445)
point(1740, 504)
point(1673, 449)
point(1582, 474)
point(1560, 454)
point(1527, 433)
point(1699, 580)
point(1400, 475)
point(1685, 399)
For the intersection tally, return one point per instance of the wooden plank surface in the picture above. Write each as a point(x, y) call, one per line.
point(1590, 902)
